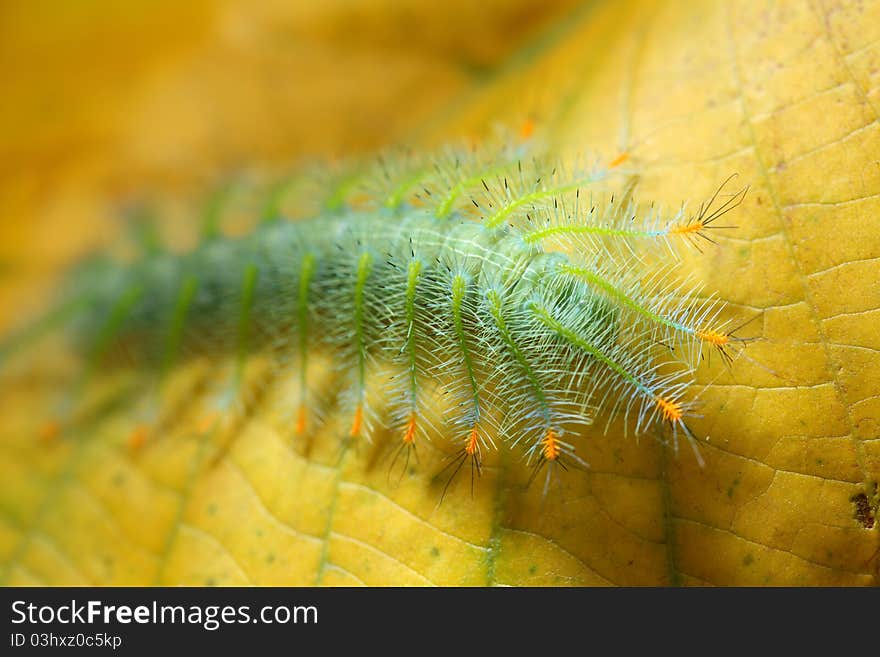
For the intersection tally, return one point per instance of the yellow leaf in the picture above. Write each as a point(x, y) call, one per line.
point(786, 95)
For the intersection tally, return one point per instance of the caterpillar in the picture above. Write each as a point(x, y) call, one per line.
point(532, 298)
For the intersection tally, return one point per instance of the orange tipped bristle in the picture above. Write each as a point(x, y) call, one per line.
point(687, 229)
point(713, 337)
point(138, 437)
point(50, 431)
point(550, 448)
point(527, 129)
point(409, 437)
point(358, 420)
point(473, 445)
point(300, 421)
point(617, 161)
point(207, 422)
point(670, 410)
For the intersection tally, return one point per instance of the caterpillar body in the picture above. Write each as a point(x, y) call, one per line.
point(519, 287)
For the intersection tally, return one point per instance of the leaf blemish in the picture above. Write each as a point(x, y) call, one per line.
point(864, 514)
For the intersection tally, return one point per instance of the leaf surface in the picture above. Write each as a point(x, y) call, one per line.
point(786, 95)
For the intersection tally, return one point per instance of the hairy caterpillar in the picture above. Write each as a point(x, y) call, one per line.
point(512, 281)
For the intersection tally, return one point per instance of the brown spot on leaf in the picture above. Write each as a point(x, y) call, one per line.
point(863, 511)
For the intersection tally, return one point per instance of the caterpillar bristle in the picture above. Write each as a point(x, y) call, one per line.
point(518, 285)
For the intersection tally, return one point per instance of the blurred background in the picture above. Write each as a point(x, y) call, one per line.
point(104, 99)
